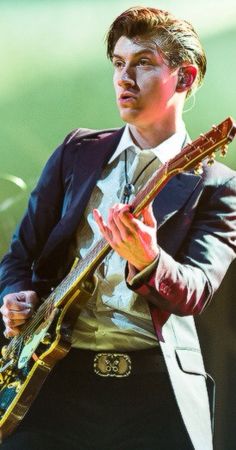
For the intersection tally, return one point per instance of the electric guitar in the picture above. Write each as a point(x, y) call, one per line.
point(46, 338)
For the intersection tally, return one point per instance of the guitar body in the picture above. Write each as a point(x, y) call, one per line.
point(20, 383)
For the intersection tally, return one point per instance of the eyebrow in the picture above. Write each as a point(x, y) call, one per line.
point(140, 52)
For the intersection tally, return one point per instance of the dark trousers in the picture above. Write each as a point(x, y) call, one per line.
point(79, 410)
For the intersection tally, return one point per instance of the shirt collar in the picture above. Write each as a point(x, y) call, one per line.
point(164, 151)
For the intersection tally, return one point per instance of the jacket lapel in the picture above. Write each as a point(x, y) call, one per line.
point(88, 164)
point(174, 195)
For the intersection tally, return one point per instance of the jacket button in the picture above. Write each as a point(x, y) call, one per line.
point(164, 288)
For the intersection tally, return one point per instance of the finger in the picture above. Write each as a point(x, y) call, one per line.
point(11, 332)
point(148, 217)
point(10, 323)
point(30, 297)
point(121, 212)
point(114, 225)
point(125, 228)
point(98, 219)
point(20, 300)
point(120, 208)
point(14, 302)
point(17, 314)
point(128, 220)
point(102, 225)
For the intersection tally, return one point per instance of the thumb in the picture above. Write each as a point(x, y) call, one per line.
point(148, 216)
point(29, 297)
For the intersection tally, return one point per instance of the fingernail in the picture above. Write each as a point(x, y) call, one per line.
point(29, 306)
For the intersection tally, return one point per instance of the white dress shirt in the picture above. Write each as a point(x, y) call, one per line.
point(116, 318)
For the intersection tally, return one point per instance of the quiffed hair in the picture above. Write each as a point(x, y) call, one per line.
point(176, 38)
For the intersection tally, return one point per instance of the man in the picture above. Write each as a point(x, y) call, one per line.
point(165, 267)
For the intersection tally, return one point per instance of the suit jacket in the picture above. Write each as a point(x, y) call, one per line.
point(197, 235)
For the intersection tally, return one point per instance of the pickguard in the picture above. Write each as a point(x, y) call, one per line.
point(33, 340)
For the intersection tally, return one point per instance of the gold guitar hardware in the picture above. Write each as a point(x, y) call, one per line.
point(223, 151)
point(43, 364)
point(47, 339)
point(4, 352)
point(211, 159)
point(198, 170)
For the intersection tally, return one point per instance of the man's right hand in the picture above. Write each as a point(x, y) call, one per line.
point(17, 308)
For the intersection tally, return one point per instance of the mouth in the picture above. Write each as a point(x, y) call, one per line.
point(126, 98)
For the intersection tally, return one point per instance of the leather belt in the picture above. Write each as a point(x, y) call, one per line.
point(118, 364)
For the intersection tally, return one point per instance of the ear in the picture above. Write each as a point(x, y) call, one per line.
point(186, 78)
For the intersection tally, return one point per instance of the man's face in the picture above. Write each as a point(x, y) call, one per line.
point(145, 86)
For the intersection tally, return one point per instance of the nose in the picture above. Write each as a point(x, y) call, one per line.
point(126, 79)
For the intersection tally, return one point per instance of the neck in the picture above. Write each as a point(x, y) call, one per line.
point(152, 134)
point(151, 137)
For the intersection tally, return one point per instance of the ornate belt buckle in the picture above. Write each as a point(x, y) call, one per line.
point(112, 365)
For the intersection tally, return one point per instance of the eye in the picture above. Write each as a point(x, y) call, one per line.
point(144, 62)
point(117, 63)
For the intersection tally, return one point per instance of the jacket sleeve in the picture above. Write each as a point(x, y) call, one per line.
point(185, 284)
point(43, 212)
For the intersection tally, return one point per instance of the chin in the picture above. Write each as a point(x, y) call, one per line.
point(129, 116)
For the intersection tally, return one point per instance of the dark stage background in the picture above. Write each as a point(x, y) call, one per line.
point(55, 77)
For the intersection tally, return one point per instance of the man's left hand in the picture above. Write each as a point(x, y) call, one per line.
point(133, 239)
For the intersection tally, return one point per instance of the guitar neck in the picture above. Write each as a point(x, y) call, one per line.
point(192, 154)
